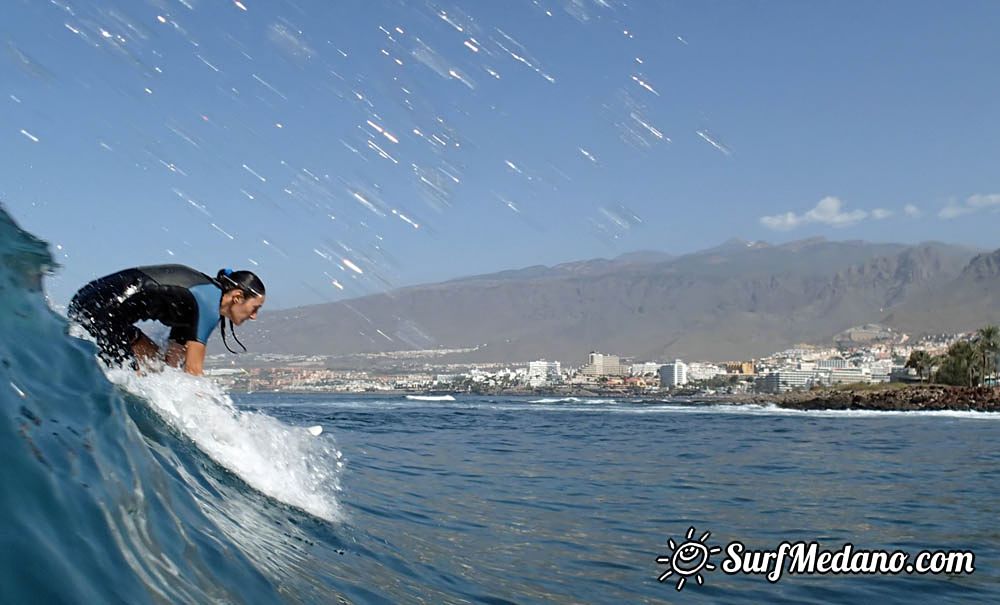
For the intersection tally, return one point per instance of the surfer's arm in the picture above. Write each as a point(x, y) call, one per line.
point(194, 358)
point(192, 353)
point(186, 346)
point(175, 354)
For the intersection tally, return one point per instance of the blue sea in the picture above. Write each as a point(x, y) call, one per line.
point(165, 489)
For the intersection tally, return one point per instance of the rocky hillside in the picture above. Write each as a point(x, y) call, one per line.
point(738, 300)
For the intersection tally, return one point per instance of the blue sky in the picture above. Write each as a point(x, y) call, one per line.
point(345, 148)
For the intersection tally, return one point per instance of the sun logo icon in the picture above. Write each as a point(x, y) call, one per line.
point(688, 559)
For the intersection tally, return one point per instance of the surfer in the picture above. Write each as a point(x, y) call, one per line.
point(188, 301)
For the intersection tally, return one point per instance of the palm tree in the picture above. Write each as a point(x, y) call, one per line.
point(972, 361)
point(921, 361)
point(988, 345)
point(937, 365)
point(961, 366)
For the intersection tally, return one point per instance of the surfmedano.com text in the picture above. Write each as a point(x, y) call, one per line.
point(806, 558)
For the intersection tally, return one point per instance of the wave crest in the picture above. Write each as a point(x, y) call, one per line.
point(98, 491)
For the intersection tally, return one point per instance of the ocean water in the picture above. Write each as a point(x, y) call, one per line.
point(121, 489)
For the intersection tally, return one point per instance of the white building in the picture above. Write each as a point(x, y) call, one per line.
point(599, 364)
point(832, 364)
point(224, 371)
point(703, 371)
point(543, 373)
point(881, 370)
point(850, 375)
point(447, 378)
point(787, 379)
point(808, 375)
point(641, 369)
point(673, 374)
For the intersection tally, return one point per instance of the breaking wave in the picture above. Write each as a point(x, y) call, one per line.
point(139, 489)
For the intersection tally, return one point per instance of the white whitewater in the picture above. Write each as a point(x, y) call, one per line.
point(430, 398)
point(574, 400)
point(291, 464)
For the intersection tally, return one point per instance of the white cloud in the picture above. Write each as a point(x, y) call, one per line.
point(781, 222)
point(973, 203)
point(881, 213)
point(827, 212)
point(984, 201)
point(953, 210)
point(912, 211)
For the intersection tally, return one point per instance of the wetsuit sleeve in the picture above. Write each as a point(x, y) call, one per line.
point(182, 334)
point(206, 297)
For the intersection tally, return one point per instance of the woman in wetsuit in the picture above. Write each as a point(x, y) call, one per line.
point(188, 301)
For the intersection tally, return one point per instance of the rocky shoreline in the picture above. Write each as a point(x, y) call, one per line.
point(888, 398)
point(910, 398)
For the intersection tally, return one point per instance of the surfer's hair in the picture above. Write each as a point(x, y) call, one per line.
point(245, 281)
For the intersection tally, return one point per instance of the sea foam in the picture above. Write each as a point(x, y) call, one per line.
point(284, 462)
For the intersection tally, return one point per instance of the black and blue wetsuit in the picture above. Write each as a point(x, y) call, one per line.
point(184, 299)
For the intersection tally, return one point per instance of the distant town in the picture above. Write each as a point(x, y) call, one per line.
point(867, 354)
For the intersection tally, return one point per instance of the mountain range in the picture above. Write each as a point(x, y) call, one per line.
point(734, 301)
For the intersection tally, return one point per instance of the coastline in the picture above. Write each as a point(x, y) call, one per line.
point(932, 397)
point(910, 398)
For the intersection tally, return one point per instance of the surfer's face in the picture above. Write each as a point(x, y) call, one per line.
point(244, 308)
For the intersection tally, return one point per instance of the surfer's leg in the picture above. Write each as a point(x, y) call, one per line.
point(175, 353)
point(144, 349)
point(105, 309)
point(102, 299)
point(85, 308)
point(114, 339)
point(115, 343)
